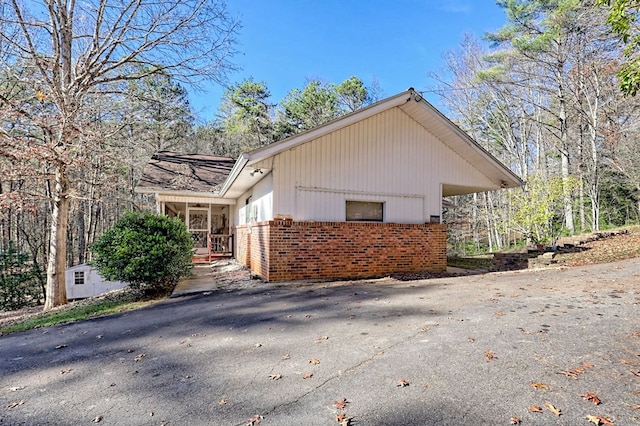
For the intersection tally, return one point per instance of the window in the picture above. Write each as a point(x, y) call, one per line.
point(78, 278)
point(251, 210)
point(365, 211)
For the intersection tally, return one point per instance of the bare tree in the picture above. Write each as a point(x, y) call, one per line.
point(61, 54)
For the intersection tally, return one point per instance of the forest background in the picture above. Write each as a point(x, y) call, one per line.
point(89, 92)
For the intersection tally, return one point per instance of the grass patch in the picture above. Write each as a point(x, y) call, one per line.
point(77, 311)
point(481, 262)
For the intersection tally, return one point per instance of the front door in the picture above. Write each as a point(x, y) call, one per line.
point(198, 225)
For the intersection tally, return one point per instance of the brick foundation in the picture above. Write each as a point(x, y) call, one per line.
point(283, 250)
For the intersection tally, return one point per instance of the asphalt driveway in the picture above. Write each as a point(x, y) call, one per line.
point(478, 350)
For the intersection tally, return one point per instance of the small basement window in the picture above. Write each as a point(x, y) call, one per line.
point(364, 211)
point(78, 278)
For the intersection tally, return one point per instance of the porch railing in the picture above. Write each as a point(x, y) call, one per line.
point(220, 244)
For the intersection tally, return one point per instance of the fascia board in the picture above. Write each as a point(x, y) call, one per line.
point(237, 168)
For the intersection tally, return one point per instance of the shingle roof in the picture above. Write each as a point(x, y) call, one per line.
point(172, 171)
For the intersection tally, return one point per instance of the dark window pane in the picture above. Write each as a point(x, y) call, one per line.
point(364, 211)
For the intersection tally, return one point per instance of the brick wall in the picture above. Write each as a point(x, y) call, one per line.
point(282, 250)
point(252, 247)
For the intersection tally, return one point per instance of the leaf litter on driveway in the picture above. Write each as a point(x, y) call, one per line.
point(365, 356)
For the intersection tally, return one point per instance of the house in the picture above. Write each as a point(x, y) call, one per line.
point(360, 196)
point(83, 281)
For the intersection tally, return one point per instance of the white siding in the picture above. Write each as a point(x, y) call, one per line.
point(388, 157)
point(261, 200)
point(93, 285)
point(330, 205)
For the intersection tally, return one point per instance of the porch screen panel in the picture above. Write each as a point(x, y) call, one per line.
point(199, 226)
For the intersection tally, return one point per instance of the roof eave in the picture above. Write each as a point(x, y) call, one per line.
point(235, 172)
point(185, 192)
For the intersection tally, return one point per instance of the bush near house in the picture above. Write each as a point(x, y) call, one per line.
point(148, 251)
point(20, 279)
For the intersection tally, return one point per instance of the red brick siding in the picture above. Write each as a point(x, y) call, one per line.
point(307, 250)
point(252, 247)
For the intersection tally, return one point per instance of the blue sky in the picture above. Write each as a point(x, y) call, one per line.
point(396, 42)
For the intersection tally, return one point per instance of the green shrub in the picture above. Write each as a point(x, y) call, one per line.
point(148, 251)
point(20, 279)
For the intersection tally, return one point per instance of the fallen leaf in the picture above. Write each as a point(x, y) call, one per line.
point(535, 409)
point(15, 404)
point(343, 419)
point(593, 419)
point(587, 364)
point(599, 420)
point(489, 355)
point(635, 407)
point(539, 386)
point(591, 397)
point(552, 408)
point(402, 383)
point(307, 375)
point(501, 314)
point(254, 420)
point(635, 373)
point(314, 361)
point(515, 421)
point(627, 362)
point(341, 403)
point(275, 376)
point(569, 373)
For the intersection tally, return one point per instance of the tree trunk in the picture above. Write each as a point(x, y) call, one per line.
point(56, 293)
point(82, 237)
point(564, 151)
